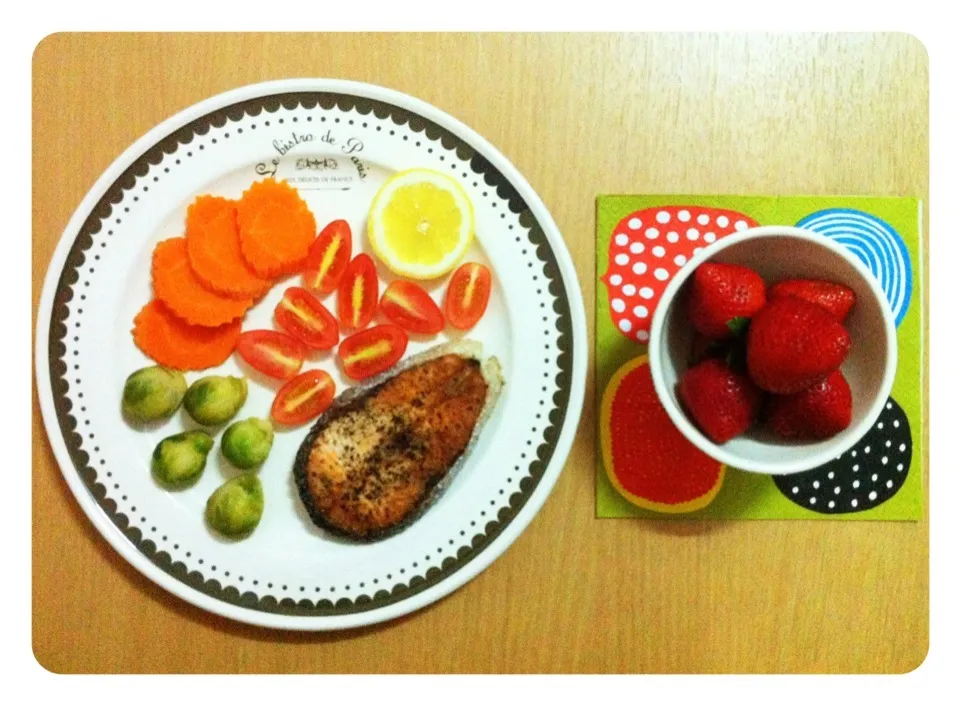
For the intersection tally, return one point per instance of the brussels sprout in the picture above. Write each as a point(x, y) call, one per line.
point(215, 399)
point(179, 460)
point(235, 508)
point(153, 393)
point(247, 444)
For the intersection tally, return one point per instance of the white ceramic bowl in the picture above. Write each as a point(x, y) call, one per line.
point(776, 253)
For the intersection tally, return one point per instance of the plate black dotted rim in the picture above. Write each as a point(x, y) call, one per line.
point(169, 145)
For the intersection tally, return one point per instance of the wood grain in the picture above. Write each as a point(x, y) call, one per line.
point(579, 115)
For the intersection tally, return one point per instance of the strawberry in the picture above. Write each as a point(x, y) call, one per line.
point(723, 297)
point(722, 402)
point(833, 297)
point(819, 412)
point(793, 344)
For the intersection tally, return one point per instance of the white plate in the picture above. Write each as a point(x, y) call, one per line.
point(336, 141)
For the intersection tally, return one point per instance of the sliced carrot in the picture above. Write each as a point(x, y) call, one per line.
point(213, 246)
point(206, 208)
point(276, 228)
point(176, 286)
point(170, 341)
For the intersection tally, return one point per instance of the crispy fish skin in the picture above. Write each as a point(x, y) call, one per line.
point(384, 451)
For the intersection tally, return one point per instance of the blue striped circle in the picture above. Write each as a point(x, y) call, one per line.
point(878, 245)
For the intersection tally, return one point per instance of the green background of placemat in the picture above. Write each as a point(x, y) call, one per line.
point(749, 495)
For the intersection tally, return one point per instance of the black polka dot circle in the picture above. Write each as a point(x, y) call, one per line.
point(868, 474)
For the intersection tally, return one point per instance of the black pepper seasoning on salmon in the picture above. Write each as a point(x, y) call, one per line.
point(367, 467)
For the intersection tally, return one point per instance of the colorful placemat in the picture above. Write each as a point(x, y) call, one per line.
point(642, 241)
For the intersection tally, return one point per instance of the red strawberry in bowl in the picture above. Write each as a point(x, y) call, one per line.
point(821, 411)
point(793, 344)
point(835, 298)
point(724, 403)
point(646, 250)
point(722, 296)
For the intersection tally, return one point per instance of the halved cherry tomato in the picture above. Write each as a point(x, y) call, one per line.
point(409, 306)
point(372, 351)
point(271, 352)
point(328, 257)
point(306, 319)
point(303, 398)
point(357, 295)
point(467, 295)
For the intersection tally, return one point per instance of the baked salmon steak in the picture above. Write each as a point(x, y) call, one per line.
point(384, 451)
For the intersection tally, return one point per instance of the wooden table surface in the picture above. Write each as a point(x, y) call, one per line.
point(579, 115)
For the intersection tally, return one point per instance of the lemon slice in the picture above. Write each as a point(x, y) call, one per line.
point(421, 223)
